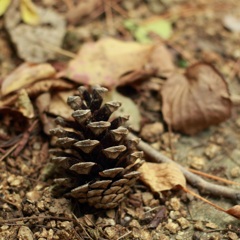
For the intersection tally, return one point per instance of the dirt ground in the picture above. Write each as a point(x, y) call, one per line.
point(28, 210)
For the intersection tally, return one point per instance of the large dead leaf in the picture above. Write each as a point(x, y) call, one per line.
point(24, 75)
point(196, 100)
point(162, 177)
point(105, 61)
point(34, 43)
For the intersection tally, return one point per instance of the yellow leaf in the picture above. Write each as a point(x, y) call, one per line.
point(29, 12)
point(3, 6)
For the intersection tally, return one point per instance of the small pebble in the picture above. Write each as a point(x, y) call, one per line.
point(4, 227)
point(135, 223)
point(212, 150)
point(197, 162)
point(199, 226)
point(41, 205)
point(184, 223)
point(211, 225)
point(175, 203)
point(65, 224)
point(152, 132)
point(147, 197)
point(111, 213)
point(174, 215)
point(235, 172)
point(25, 233)
point(216, 236)
point(232, 236)
point(111, 232)
point(172, 227)
point(163, 237)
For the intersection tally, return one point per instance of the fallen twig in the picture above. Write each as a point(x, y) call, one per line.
point(24, 140)
point(10, 220)
point(9, 151)
point(193, 179)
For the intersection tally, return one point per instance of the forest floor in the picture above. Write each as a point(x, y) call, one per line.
point(200, 32)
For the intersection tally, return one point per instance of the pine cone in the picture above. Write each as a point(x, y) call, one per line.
point(98, 164)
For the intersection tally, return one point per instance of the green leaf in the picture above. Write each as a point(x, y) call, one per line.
point(3, 6)
point(182, 63)
point(161, 27)
point(130, 25)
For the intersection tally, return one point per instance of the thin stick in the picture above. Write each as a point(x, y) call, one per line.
point(125, 235)
point(193, 179)
point(203, 199)
point(36, 218)
point(213, 177)
point(9, 151)
point(9, 202)
point(58, 50)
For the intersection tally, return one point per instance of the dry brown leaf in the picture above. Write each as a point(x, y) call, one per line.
point(82, 10)
point(162, 177)
point(13, 121)
point(48, 85)
point(42, 103)
point(234, 211)
point(24, 75)
point(58, 105)
point(196, 100)
point(105, 61)
point(162, 61)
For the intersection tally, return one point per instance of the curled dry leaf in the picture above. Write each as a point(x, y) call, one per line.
point(162, 177)
point(105, 61)
point(12, 123)
point(24, 75)
point(196, 100)
point(48, 85)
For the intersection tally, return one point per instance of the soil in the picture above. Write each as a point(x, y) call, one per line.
point(28, 208)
